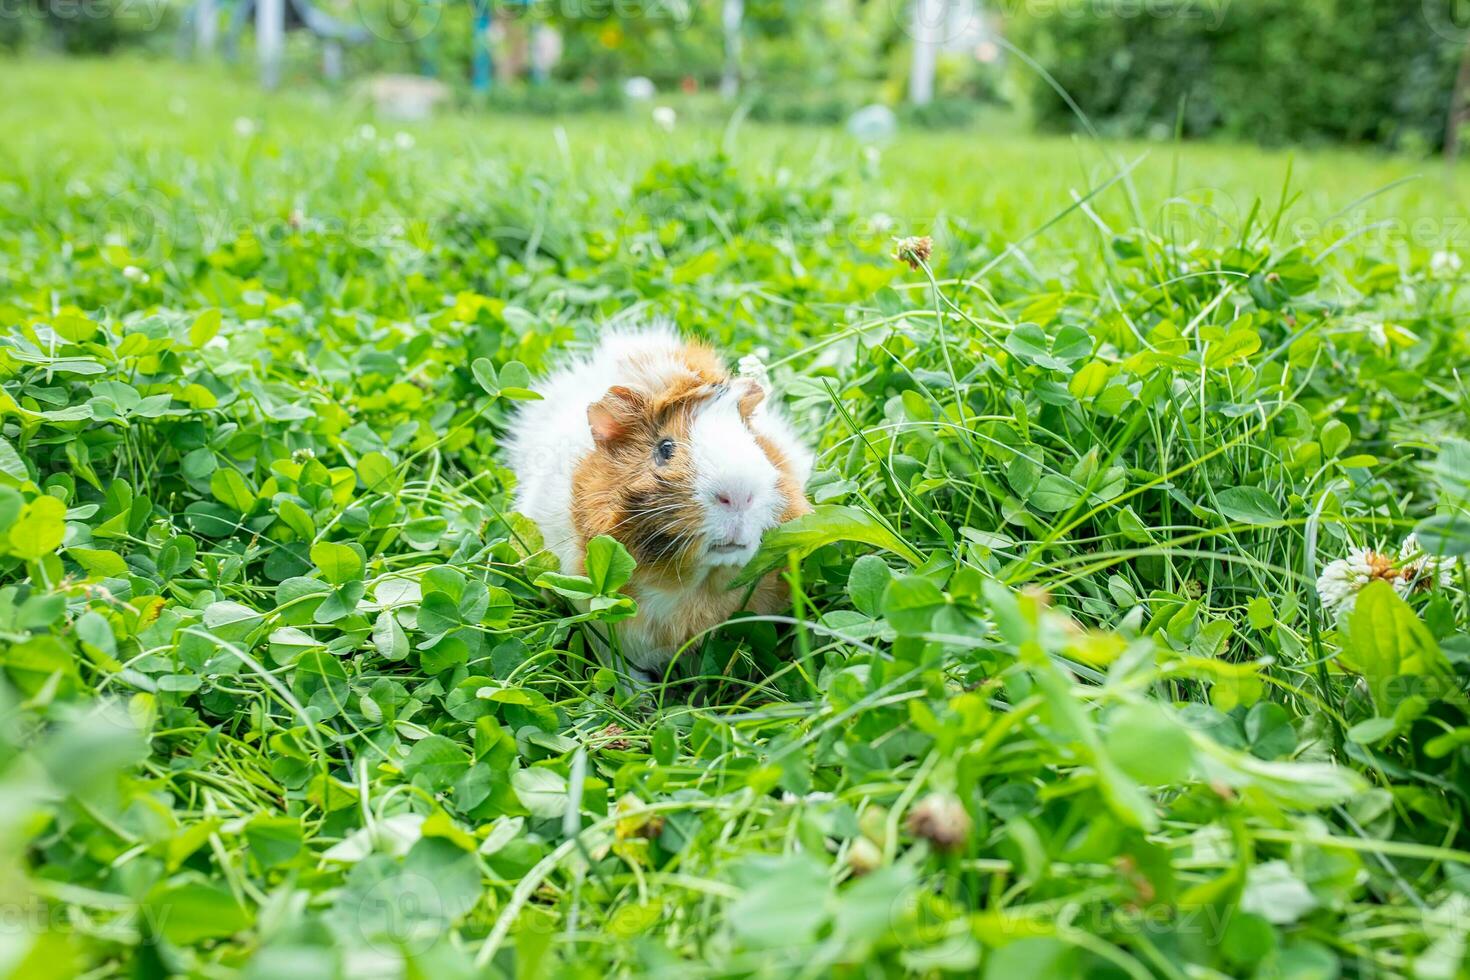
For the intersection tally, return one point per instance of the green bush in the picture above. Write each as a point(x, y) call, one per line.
point(555, 98)
point(1271, 71)
point(945, 112)
point(782, 106)
point(86, 28)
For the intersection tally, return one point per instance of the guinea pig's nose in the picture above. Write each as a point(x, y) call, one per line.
point(735, 499)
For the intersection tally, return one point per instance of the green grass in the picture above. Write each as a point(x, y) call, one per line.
point(89, 113)
point(1056, 695)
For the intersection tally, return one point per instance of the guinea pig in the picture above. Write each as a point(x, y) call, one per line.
point(651, 440)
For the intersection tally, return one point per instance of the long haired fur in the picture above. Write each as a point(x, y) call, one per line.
point(587, 461)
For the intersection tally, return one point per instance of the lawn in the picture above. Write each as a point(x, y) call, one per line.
point(1058, 693)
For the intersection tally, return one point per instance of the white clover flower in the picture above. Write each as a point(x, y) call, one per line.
point(1341, 580)
point(367, 132)
point(914, 250)
point(753, 366)
point(942, 820)
point(402, 140)
point(134, 274)
point(1444, 265)
point(1419, 570)
point(664, 118)
point(816, 796)
point(244, 127)
point(1411, 570)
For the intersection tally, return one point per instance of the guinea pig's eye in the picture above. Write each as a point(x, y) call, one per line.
point(664, 451)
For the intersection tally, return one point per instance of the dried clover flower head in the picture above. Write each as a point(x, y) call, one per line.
point(611, 737)
point(914, 250)
point(941, 819)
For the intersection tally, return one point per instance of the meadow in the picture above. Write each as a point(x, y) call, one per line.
point(1059, 693)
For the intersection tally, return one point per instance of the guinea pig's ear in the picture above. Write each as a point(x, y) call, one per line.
point(751, 393)
point(618, 411)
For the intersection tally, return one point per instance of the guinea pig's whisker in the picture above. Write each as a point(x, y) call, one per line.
point(676, 546)
point(672, 526)
point(648, 512)
point(676, 522)
point(632, 516)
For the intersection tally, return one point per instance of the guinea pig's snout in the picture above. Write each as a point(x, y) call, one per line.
point(738, 509)
point(735, 499)
point(735, 484)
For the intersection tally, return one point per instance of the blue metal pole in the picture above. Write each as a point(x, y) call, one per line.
point(481, 67)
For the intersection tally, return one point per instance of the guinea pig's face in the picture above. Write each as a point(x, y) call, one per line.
point(680, 478)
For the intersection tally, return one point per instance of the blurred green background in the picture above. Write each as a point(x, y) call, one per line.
point(1276, 72)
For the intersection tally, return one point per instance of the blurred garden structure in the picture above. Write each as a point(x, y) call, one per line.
point(1391, 73)
point(515, 40)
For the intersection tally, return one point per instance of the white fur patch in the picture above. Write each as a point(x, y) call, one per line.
point(729, 465)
